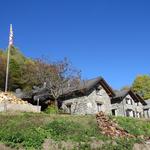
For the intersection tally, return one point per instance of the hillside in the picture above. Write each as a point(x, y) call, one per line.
point(43, 131)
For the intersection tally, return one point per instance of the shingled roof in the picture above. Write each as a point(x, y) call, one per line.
point(122, 94)
point(86, 85)
point(83, 85)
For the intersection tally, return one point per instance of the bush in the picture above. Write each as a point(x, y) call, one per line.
point(52, 109)
point(62, 129)
point(22, 130)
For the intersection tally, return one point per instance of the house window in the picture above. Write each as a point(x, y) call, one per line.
point(146, 113)
point(114, 112)
point(69, 108)
point(128, 101)
point(99, 107)
point(138, 114)
point(130, 113)
point(97, 89)
point(137, 103)
point(127, 113)
point(133, 113)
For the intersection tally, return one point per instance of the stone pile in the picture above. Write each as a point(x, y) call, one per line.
point(10, 98)
point(110, 128)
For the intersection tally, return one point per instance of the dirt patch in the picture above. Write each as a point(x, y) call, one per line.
point(50, 144)
point(4, 147)
point(141, 146)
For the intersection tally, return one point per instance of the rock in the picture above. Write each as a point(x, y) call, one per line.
point(4, 147)
point(109, 127)
point(141, 147)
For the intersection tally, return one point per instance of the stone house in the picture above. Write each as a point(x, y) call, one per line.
point(127, 103)
point(96, 95)
point(90, 97)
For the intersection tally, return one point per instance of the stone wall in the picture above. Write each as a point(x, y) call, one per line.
point(88, 104)
point(19, 107)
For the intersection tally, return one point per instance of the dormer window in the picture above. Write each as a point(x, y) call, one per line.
point(98, 88)
point(128, 101)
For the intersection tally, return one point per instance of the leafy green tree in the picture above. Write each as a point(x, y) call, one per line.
point(28, 72)
point(17, 63)
point(141, 85)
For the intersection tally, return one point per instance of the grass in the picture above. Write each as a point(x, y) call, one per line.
point(29, 130)
point(137, 127)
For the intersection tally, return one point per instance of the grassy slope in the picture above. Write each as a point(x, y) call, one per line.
point(29, 130)
point(137, 127)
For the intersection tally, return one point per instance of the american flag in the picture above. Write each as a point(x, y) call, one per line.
point(11, 36)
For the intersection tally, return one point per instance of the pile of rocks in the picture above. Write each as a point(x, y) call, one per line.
point(10, 98)
point(110, 128)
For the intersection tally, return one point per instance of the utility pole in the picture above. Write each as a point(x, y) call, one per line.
point(8, 56)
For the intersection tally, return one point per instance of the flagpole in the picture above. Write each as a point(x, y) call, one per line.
point(8, 57)
point(7, 69)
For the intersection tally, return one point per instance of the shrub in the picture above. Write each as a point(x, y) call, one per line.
point(62, 129)
point(52, 109)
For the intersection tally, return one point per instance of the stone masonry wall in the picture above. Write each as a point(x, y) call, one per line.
point(19, 107)
point(88, 104)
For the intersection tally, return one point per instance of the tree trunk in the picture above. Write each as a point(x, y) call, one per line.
point(56, 103)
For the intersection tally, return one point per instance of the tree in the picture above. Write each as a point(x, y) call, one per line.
point(28, 72)
point(17, 71)
point(141, 85)
point(125, 88)
point(14, 75)
point(59, 77)
point(17, 60)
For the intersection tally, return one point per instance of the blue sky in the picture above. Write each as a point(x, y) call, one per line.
point(109, 38)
